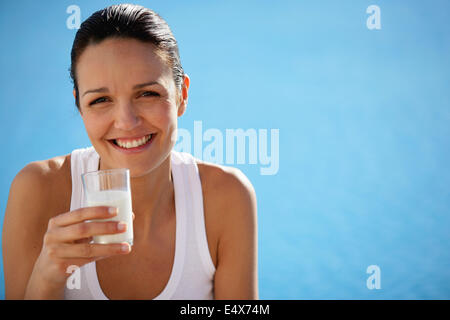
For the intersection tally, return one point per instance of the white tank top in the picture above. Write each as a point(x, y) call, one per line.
point(193, 271)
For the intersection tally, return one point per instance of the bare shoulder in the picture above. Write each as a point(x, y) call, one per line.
point(228, 197)
point(41, 171)
point(39, 189)
point(45, 177)
point(221, 176)
point(228, 186)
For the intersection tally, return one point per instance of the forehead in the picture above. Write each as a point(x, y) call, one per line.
point(124, 61)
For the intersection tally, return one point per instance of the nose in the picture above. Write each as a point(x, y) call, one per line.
point(126, 118)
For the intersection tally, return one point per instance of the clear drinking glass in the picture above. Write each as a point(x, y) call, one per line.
point(110, 188)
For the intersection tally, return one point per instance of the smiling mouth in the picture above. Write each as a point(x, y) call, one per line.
point(134, 143)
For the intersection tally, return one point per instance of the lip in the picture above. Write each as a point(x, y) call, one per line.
point(126, 139)
point(136, 149)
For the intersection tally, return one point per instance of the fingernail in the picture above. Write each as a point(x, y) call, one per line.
point(125, 247)
point(112, 210)
point(121, 226)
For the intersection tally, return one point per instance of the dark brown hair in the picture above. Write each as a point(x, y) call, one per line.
point(126, 21)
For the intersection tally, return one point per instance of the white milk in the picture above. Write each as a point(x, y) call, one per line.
point(122, 201)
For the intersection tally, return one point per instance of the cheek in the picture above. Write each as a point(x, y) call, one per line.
point(163, 117)
point(95, 125)
point(165, 120)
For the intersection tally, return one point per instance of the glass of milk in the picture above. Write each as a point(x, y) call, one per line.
point(110, 188)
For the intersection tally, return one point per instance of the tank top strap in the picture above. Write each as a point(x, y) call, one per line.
point(81, 161)
point(197, 218)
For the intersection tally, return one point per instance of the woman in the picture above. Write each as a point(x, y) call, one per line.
point(194, 224)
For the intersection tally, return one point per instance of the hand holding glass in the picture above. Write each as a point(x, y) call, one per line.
point(110, 188)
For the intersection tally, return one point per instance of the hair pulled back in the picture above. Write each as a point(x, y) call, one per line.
point(126, 21)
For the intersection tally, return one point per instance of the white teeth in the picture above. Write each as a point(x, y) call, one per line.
point(134, 143)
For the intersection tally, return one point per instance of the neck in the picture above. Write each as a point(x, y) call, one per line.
point(151, 193)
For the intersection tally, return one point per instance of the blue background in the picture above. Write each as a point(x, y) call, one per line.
point(363, 117)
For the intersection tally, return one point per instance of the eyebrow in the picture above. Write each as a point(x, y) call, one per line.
point(137, 86)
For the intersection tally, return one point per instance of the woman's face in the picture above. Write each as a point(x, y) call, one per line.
point(129, 104)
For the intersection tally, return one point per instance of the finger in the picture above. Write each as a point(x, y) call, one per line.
point(82, 230)
point(82, 214)
point(91, 250)
point(84, 240)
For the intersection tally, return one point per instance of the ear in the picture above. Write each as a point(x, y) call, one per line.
point(184, 95)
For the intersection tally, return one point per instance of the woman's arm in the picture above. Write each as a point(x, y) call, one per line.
point(23, 228)
point(236, 274)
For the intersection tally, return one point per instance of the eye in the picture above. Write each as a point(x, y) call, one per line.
point(150, 94)
point(99, 100)
point(145, 94)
